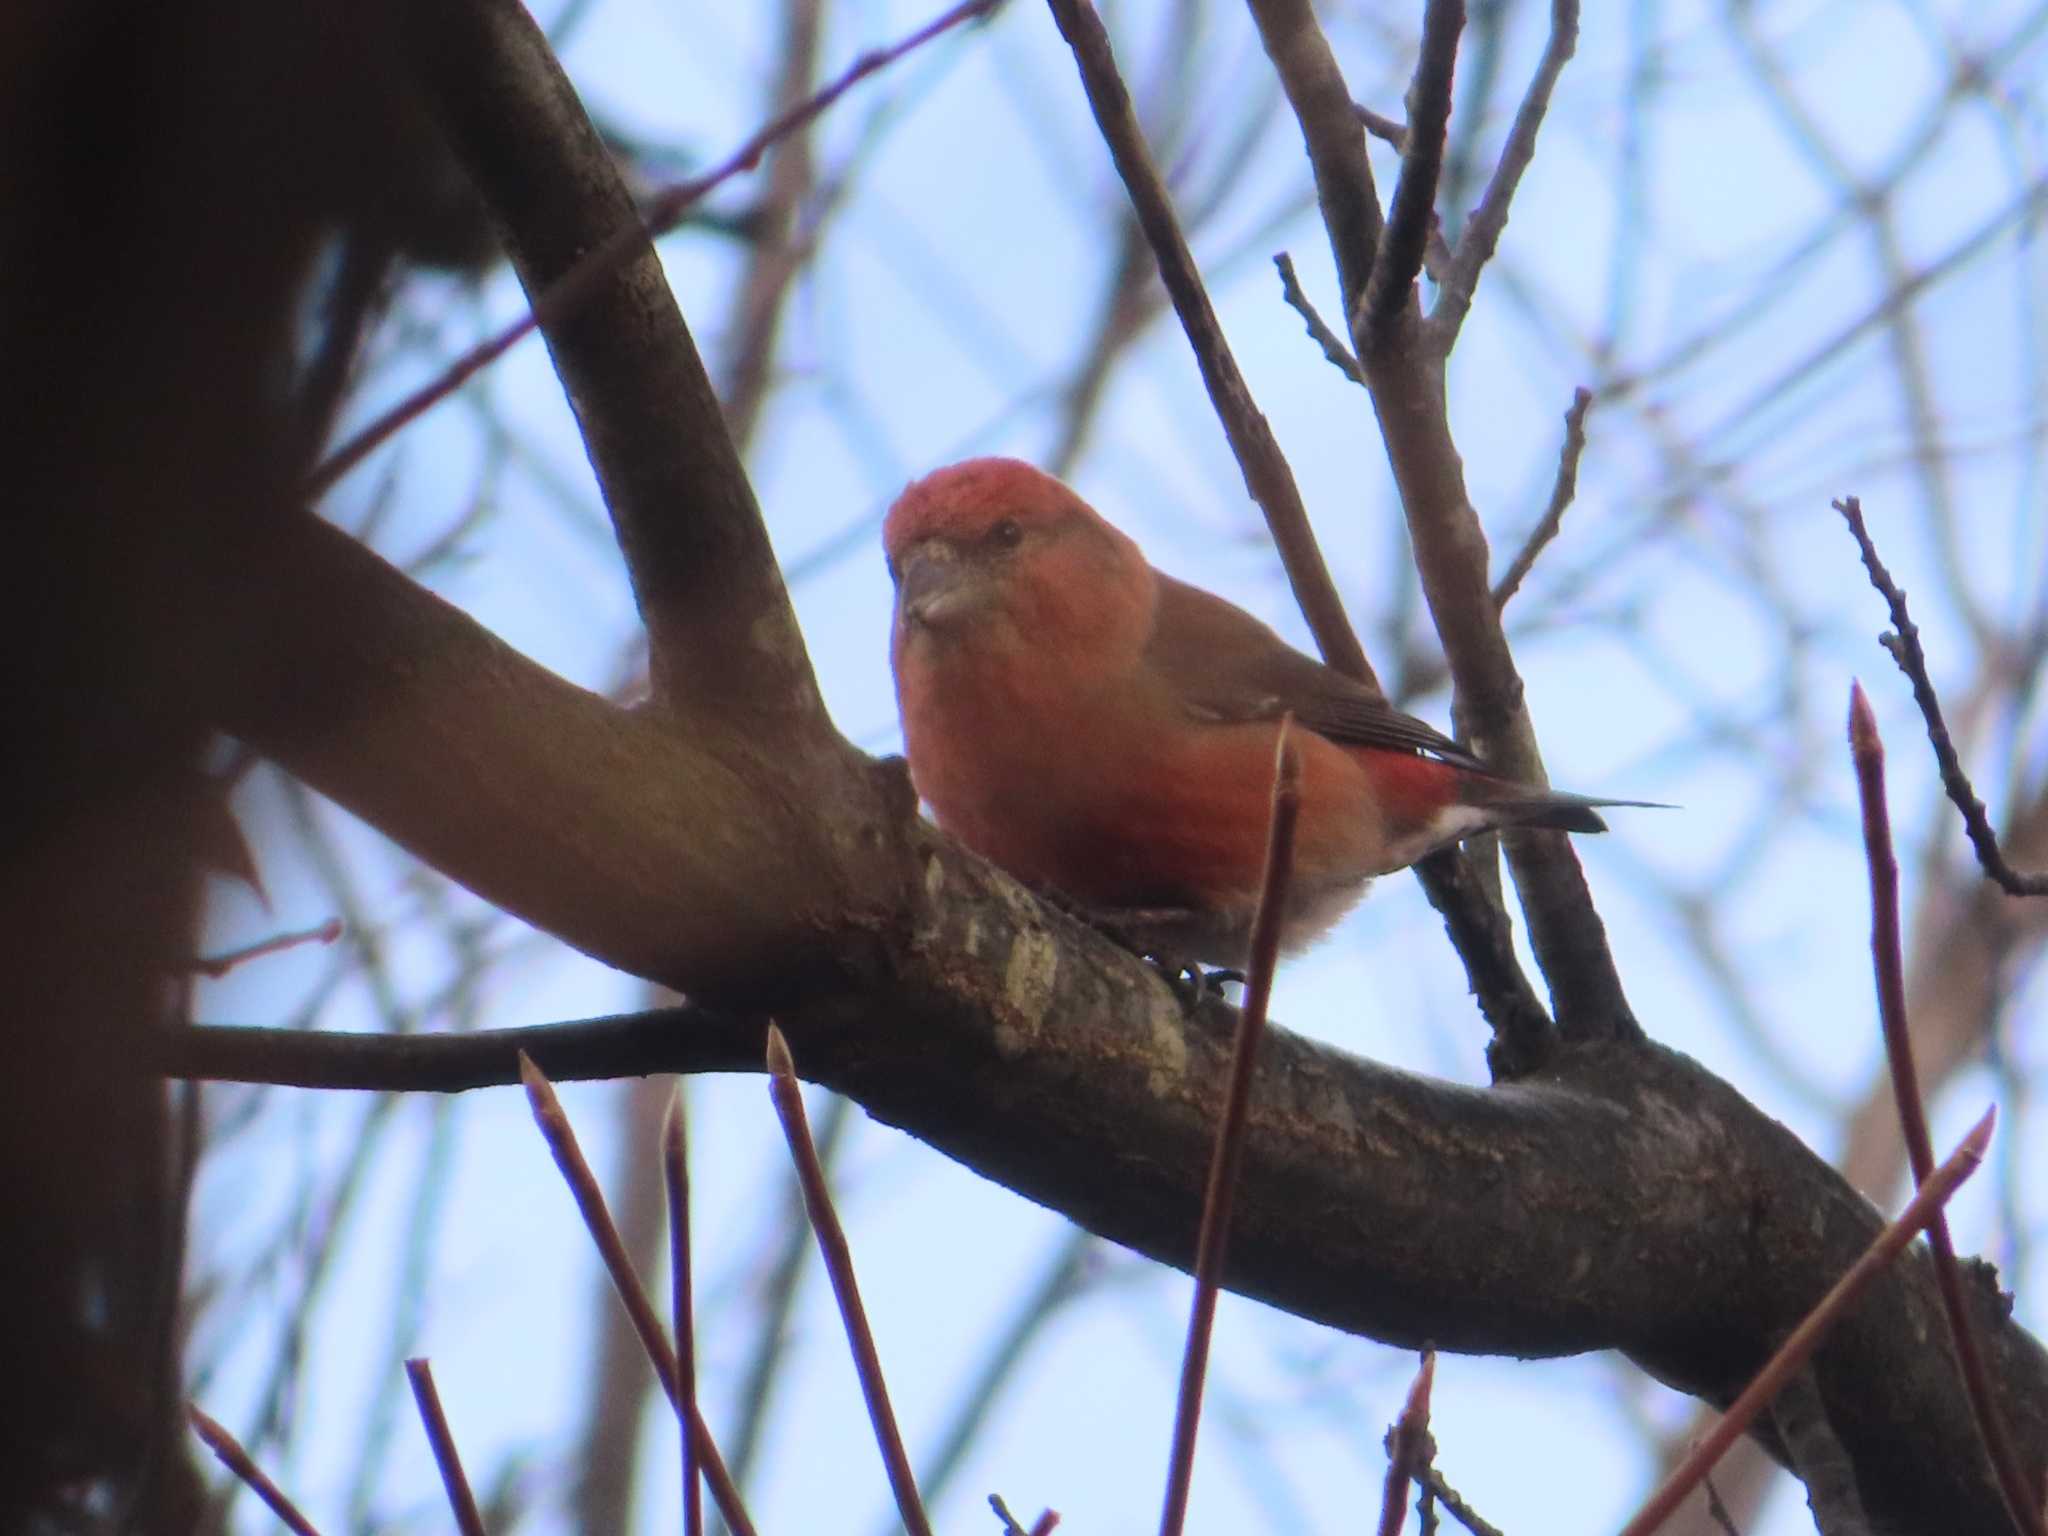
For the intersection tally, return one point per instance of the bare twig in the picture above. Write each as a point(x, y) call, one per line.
point(217, 966)
point(1482, 235)
point(1804, 1339)
point(1904, 644)
point(561, 1139)
point(1454, 1501)
point(238, 1461)
point(781, 1266)
point(1524, 1035)
point(1382, 127)
point(1888, 957)
point(1718, 1511)
point(1047, 1522)
point(1562, 490)
point(1266, 473)
point(661, 214)
point(1407, 1448)
point(675, 1165)
point(1214, 1235)
point(1397, 261)
point(1318, 328)
point(468, 1519)
point(838, 1255)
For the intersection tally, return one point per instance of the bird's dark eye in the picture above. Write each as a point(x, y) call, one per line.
point(1007, 534)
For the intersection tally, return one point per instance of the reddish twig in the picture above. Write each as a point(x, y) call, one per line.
point(1888, 957)
point(468, 1518)
point(611, 1248)
point(662, 213)
point(1407, 1447)
point(1046, 1523)
point(838, 1255)
point(1562, 490)
point(1217, 1198)
point(217, 966)
point(238, 1461)
point(1904, 645)
point(1805, 1338)
point(675, 1165)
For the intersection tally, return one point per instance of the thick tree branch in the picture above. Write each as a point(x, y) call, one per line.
point(1626, 1199)
point(709, 863)
point(723, 639)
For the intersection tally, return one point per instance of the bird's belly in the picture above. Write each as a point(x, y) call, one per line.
point(1114, 815)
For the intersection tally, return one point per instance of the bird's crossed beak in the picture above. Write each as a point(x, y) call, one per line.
point(936, 586)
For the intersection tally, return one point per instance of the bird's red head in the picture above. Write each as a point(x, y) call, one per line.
point(969, 502)
point(991, 537)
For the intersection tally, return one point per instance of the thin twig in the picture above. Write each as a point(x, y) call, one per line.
point(1047, 1522)
point(217, 966)
point(561, 1139)
point(1524, 1035)
point(1888, 958)
point(1318, 328)
point(662, 213)
point(1266, 473)
point(1217, 1199)
point(1407, 1447)
point(1011, 1527)
point(1805, 1338)
point(838, 1255)
point(238, 1461)
point(675, 1167)
point(1718, 1511)
point(1562, 490)
point(1381, 127)
point(1405, 236)
point(1482, 234)
point(1454, 1501)
point(782, 1270)
point(468, 1519)
point(1904, 644)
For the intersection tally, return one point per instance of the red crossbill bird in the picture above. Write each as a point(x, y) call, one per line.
point(1106, 733)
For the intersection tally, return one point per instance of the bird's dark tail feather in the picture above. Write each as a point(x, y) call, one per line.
point(1560, 812)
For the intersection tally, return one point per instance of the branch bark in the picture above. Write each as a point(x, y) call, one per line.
point(1627, 1199)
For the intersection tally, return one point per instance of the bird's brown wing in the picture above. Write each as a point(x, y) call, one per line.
point(1224, 665)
